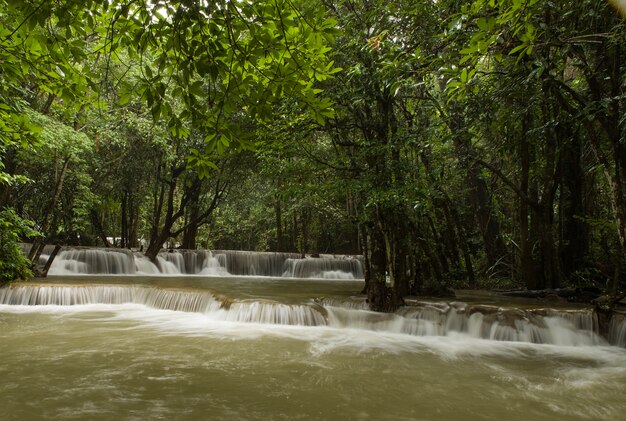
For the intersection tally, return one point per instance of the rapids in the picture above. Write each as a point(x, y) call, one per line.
point(569, 327)
point(229, 347)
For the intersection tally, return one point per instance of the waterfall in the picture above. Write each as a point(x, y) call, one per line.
point(539, 326)
point(617, 330)
point(163, 299)
point(326, 268)
point(558, 327)
point(248, 263)
point(112, 261)
point(94, 261)
point(266, 312)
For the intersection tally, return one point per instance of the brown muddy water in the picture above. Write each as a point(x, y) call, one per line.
point(101, 348)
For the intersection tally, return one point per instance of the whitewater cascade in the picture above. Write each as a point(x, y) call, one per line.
point(617, 330)
point(540, 326)
point(92, 261)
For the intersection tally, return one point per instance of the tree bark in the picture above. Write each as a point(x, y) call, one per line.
point(480, 200)
point(39, 242)
point(48, 264)
point(380, 296)
point(527, 265)
point(97, 225)
point(124, 221)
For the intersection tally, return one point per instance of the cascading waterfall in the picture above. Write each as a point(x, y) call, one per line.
point(540, 326)
point(323, 267)
point(246, 263)
point(192, 262)
point(617, 330)
point(92, 261)
point(266, 312)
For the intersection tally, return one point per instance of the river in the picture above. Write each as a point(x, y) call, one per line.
point(268, 348)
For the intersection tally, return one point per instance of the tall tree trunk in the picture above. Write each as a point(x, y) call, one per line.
point(133, 224)
point(155, 245)
point(193, 212)
point(380, 296)
point(51, 258)
point(278, 215)
point(574, 234)
point(480, 199)
point(96, 222)
point(364, 243)
point(39, 242)
point(527, 266)
point(190, 233)
point(124, 221)
point(453, 221)
point(556, 136)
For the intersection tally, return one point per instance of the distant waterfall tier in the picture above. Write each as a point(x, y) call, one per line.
point(617, 330)
point(539, 326)
point(109, 261)
point(327, 268)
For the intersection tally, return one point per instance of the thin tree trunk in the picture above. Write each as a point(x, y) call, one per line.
point(124, 221)
point(53, 255)
point(97, 224)
point(480, 199)
point(278, 213)
point(527, 267)
point(379, 296)
point(39, 242)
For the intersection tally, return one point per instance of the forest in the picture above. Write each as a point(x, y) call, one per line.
point(452, 144)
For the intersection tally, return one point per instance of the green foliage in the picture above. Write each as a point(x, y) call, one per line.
point(13, 264)
point(444, 113)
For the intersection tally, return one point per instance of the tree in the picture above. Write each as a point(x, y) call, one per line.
point(199, 64)
point(13, 265)
point(561, 111)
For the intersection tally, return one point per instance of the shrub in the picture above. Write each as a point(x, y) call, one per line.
point(13, 264)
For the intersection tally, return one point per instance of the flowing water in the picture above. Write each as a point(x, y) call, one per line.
point(112, 261)
point(191, 347)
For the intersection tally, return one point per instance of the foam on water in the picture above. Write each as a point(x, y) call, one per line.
point(326, 339)
point(564, 328)
point(110, 261)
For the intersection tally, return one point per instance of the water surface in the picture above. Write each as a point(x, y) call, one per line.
point(130, 361)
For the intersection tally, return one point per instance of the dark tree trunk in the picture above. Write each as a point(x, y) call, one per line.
point(480, 200)
point(278, 215)
point(556, 135)
point(96, 222)
point(154, 247)
point(39, 242)
point(133, 224)
point(574, 234)
point(453, 221)
point(604, 77)
point(189, 238)
point(124, 221)
point(527, 266)
point(363, 241)
point(380, 296)
point(48, 264)
point(176, 208)
point(439, 246)
point(190, 233)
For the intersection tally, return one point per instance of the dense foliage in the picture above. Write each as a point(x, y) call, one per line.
point(453, 144)
point(13, 265)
